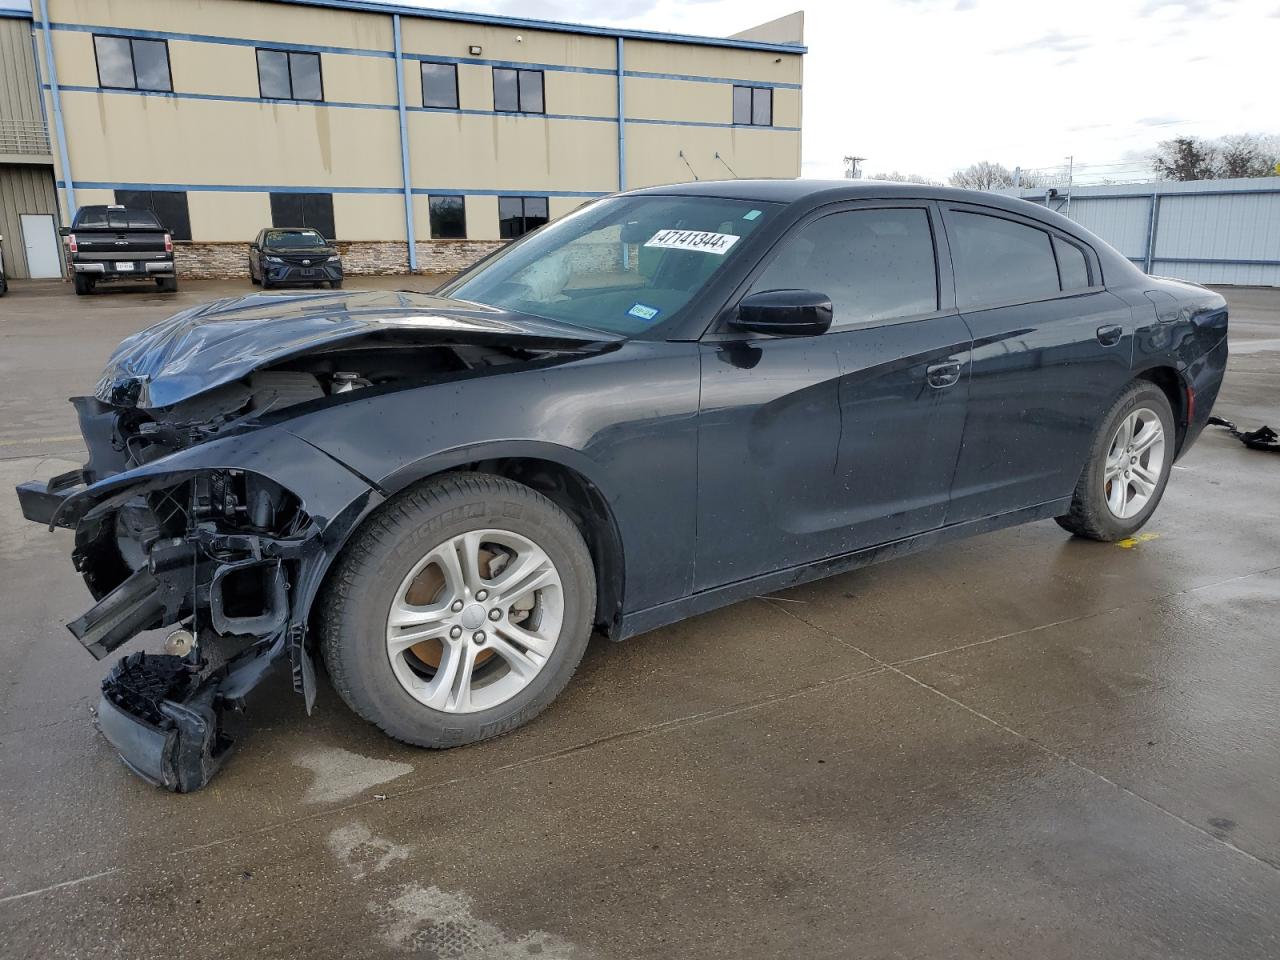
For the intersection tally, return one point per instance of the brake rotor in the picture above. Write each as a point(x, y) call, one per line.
point(426, 588)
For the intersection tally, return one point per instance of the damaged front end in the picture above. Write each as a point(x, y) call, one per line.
point(228, 559)
point(198, 510)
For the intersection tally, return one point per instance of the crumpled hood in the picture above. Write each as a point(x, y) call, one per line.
point(222, 341)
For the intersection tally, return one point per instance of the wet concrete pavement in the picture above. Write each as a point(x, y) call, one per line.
point(1015, 746)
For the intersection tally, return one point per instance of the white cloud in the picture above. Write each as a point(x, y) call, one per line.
point(931, 85)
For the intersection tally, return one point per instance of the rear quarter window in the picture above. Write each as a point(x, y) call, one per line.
point(1000, 261)
point(1073, 267)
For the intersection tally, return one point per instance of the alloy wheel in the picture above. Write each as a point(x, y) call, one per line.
point(1135, 462)
point(475, 621)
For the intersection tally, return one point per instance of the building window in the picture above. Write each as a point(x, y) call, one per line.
point(169, 206)
point(517, 91)
point(518, 215)
point(314, 210)
point(126, 64)
point(448, 218)
point(440, 85)
point(753, 106)
point(284, 75)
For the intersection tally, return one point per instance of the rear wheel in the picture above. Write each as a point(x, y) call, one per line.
point(83, 284)
point(1129, 466)
point(167, 284)
point(459, 611)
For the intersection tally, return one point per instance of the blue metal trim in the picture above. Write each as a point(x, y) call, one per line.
point(229, 98)
point(290, 188)
point(424, 13)
point(8, 13)
point(692, 78)
point(622, 123)
point(508, 192)
point(508, 113)
point(709, 123)
point(404, 149)
point(211, 38)
point(1224, 261)
point(508, 64)
point(59, 127)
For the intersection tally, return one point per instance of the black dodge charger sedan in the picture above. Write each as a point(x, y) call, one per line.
point(293, 255)
point(668, 401)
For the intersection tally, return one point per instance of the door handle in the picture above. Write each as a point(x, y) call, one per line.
point(945, 374)
point(1109, 335)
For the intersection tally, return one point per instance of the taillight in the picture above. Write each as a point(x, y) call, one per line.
point(71, 242)
point(168, 243)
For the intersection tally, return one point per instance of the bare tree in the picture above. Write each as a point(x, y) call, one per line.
point(896, 177)
point(1247, 155)
point(1185, 158)
point(986, 175)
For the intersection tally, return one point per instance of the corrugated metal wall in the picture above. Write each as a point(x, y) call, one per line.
point(1209, 231)
point(23, 189)
point(19, 89)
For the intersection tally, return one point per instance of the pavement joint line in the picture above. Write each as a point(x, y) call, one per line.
point(1081, 617)
point(636, 733)
point(58, 886)
point(1049, 751)
point(17, 441)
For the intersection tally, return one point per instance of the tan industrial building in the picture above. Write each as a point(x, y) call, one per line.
point(418, 140)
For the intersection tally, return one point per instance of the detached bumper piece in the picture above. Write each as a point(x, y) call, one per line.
point(165, 724)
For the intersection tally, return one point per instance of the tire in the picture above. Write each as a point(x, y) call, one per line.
point(1093, 511)
point(335, 284)
point(252, 278)
point(265, 283)
point(167, 284)
point(377, 568)
point(84, 285)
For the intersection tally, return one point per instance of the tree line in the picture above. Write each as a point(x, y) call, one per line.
point(1182, 158)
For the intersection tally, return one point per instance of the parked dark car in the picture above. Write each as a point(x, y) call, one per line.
point(293, 255)
point(667, 401)
point(4, 281)
point(106, 243)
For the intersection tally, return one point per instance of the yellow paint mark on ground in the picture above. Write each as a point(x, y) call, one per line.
point(1130, 542)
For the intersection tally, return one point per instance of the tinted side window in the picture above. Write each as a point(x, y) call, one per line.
point(999, 261)
point(873, 264)
point(1073, 268)
point(448, 218)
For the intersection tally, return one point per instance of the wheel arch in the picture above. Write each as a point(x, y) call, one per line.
point(563, 476)
point(1175, 388)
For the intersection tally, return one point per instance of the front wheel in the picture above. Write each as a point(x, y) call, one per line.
point(459, 612)
point(1129, 466)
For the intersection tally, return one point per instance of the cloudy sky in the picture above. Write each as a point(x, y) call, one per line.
point(927, 86)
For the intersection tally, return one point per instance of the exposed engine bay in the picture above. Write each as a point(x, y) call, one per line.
point(228, 558)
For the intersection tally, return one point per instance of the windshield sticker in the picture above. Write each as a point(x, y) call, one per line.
point(752, 215)
point(644, 312)
point(703, 240)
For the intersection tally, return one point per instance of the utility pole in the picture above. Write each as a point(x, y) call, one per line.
point(851, 169)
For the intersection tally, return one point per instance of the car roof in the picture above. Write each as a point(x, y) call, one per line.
point(816, 192)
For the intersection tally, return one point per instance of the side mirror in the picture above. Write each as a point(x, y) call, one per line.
point(785, 313)
point(64, 231)
point(635, 232)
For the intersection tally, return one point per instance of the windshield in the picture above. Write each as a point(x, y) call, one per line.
point(622, 265)
point(292, 239)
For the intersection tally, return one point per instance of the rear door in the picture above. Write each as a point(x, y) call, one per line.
point(811, 447)
point(1052, 350)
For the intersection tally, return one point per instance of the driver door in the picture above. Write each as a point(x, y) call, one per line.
point(812, 447)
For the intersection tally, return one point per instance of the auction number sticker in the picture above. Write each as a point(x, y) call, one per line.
point(707, 242)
